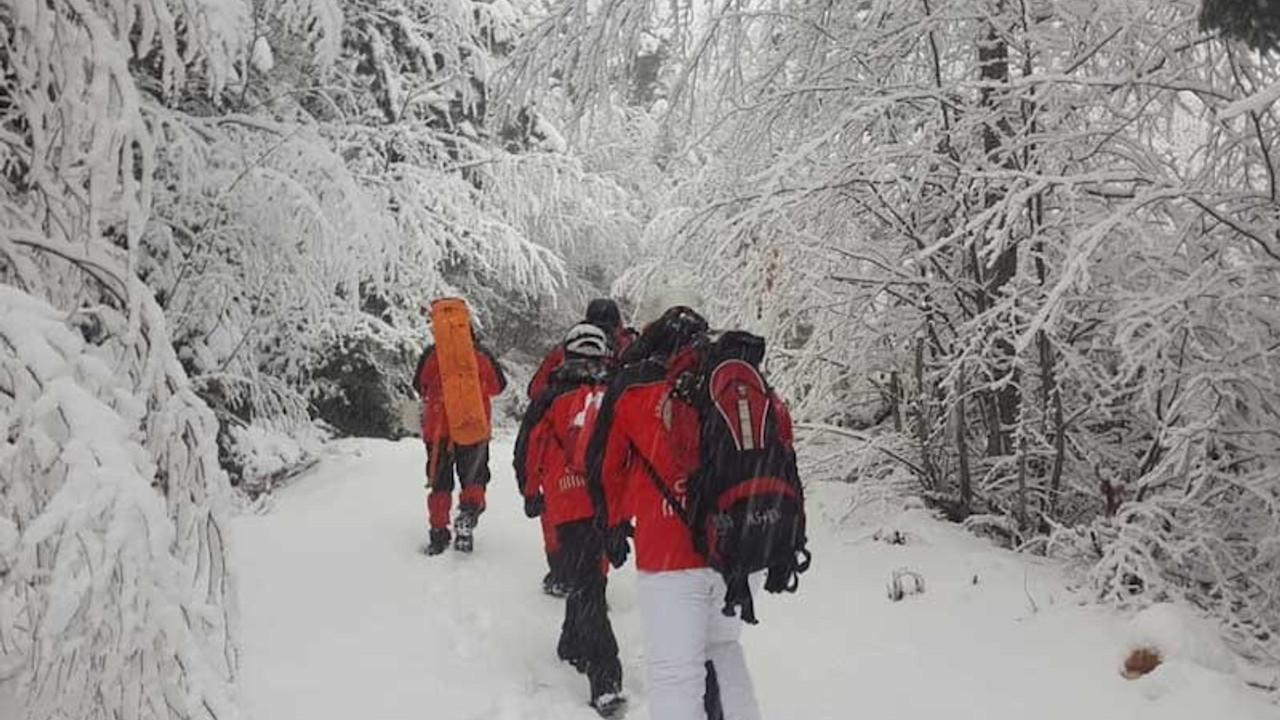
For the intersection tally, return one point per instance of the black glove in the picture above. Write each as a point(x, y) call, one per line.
point(534, 505)
point(616, 547)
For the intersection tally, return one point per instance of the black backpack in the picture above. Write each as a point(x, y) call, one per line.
point(745, 503)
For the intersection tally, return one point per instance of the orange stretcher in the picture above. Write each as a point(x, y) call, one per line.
point(459, 372)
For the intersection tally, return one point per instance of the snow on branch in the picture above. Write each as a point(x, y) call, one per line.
point(103, 593)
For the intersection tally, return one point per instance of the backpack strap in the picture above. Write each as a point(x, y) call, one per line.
point(737, 595)
point(678, 507)
point(532, 416)
point(641, 372)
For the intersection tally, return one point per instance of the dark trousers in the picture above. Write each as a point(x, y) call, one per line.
point(550, 541)
point(470, 465)
point(586, 637)
point(711, 699)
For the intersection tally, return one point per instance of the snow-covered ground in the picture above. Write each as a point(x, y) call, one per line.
point(344, 618)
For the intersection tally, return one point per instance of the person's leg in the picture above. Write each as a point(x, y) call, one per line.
point(604, 669)
point(673, 612)
point(711, 701)
point(552, 583)
point(597, 643)
point(439, 494)
point(473, 474)
point(737, 694)
point(569, 561)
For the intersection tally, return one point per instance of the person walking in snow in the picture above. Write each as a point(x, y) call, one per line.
point(447, 460)
point(643, 449)
point(604, 314)
point(550, 465)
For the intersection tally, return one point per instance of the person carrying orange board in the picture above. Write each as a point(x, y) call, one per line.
point(550, 465)
point(456, 378)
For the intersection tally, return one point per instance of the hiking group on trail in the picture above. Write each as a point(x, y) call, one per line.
point(670, 439)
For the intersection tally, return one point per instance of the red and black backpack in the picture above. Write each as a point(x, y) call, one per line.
point(745, 503)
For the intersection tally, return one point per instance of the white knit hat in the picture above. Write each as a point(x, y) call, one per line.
point(586, 340)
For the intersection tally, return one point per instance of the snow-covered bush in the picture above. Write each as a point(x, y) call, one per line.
point(112, 600)
point(362, 382)
point(116, 595)
point(335, 187)
point(259, 457)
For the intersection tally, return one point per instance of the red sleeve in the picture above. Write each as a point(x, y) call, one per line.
point(553, 360)
point(429, 376)
point(536, 461)
point(613, 475)
point(491, 377)
point(786, 432)
point(610, 475)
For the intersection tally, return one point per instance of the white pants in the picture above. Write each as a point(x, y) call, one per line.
point(683, 629)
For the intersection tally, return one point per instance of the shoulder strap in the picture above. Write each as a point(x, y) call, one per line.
point(678, 507)
point(627, 376)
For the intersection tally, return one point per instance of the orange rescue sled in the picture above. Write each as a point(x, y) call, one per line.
point(459, 372)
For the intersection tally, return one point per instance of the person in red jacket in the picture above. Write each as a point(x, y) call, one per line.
point(602, 313)
point(646, 434)
point(550, 465)
point(445, 459)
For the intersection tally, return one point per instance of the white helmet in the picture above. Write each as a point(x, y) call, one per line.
point(586, 340)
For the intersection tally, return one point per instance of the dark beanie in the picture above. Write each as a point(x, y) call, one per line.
point(603, 313)
point(676, 328)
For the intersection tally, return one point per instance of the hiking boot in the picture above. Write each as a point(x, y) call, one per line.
point(437, 540)
point(464, 525)
point(605, 678)
point(554, 588)
point(609, 705)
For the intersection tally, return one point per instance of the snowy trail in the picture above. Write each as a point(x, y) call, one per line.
point(343, 618)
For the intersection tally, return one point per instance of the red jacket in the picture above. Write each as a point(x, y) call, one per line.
point(538, 382)
point(435, 426)
point(641, 423)
point(554, 359)
point(550, 453)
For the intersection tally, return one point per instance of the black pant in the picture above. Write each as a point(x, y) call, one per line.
point(711, 698)
point(586, 638)
point(470, 464)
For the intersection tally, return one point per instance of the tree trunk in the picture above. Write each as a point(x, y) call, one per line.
point(895, 400)
point(922, 419)
point(993, 69)
point(962, 448)
point(1052, 399)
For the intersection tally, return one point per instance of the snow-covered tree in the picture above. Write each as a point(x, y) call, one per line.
point(226, 205)
point(347, 175)
point(1020, 237)
point(114, 595)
